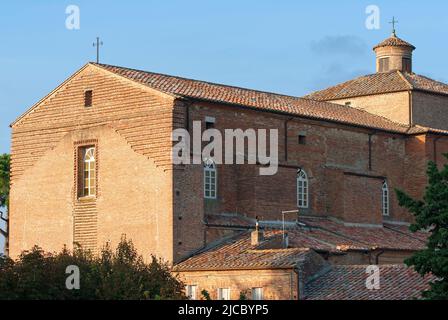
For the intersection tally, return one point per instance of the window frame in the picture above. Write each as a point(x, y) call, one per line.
point(385, 199)
point(221, 296)
point(302, 189)
point(210, 179)
point(91, 171)
point(191, 291)
point(260, 297)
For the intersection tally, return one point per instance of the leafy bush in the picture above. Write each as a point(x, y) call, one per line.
point(117, 275)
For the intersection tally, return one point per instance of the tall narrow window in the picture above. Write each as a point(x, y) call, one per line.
point(302, 189)
point(223, 294)
point(89, 180)
point(385, 197)
point(210, 186)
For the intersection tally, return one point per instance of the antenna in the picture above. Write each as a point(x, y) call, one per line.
point(283, 221)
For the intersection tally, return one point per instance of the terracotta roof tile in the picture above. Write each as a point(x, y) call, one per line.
point(238, 253)
point(394, 41)
point(388, 237)
point(379, 83)
point(329, 235)
point(397, 282)
point(266, 101)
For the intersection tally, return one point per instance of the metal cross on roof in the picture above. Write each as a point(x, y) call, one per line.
point(97, 45)
point(393, 23)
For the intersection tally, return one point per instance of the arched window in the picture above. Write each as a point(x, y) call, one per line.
point(89, 172)
point(302, 189)
point(385, 199)
point(210, 185)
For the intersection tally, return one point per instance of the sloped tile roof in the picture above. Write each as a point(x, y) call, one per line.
point(325, 234)
point(419, 82)
point(397, 282)
point(388, 237)
point(379, 83)
point(394, 41)
point(266, 101)
point(239, 254)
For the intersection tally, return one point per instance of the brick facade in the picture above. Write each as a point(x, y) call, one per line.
point(161, 206)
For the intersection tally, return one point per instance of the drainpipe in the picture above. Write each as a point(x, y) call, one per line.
point(411, 116)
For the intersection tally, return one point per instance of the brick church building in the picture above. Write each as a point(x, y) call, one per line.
point(92, 161)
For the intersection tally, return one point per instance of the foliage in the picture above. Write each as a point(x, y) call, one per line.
point(431, 214)
point(4, 179)
point(243, 295)
point(118, 275)
point(205, 295)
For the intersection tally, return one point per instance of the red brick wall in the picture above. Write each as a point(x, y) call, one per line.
point(331, 154)
point(132, 126)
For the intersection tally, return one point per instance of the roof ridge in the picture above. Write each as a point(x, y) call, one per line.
point(337, 85)
point(403, 76)
point(202, 81)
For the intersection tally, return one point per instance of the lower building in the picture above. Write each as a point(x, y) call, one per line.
point(304, 263)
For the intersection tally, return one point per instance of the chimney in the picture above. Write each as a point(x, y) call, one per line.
point(256, 237)
point(394, 54)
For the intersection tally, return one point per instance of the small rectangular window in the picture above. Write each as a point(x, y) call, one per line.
point(257, 293)
point(302, 139)
point(209, 125)
point(209, 122)
point(190, 291)
point(223, 294)
point(348, 104)
point(88, 98)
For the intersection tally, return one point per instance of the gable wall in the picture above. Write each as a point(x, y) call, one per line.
point(132, 127)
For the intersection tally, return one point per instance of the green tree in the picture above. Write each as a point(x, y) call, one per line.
point(119, 274)
point(4, 196)
point(431, 214)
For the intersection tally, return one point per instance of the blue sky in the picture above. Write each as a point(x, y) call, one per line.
point(290, 47)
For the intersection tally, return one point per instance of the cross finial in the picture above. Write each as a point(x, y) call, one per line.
point(393, 23)
point(97, 45)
